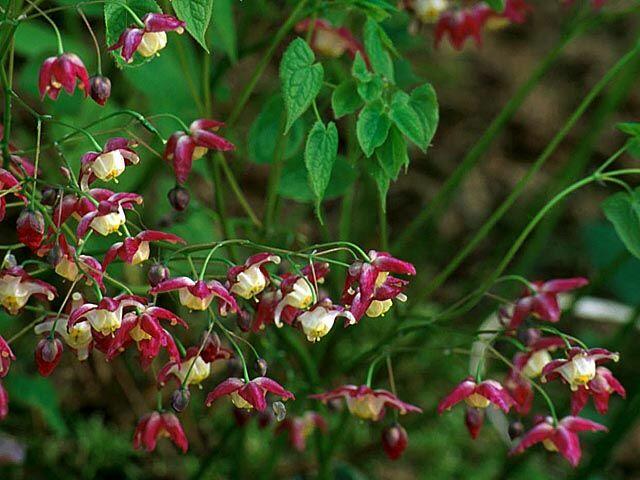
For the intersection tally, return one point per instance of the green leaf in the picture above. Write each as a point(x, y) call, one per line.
point(39, 393)
point(359, 69)
point(345, 99)
point(630, 128)
point(378, 56)
point(301, 79)
point(392, 154)
point(372, 127)
point(319, 157)
point(425, 102)
point(294, 183)
point(266, 131)
point(633, 147)
point(223, 29)
point(623, 210)
point(197, 15)
point(371, 90)
point(117, 19)
point(497, 5)
point(404, 116)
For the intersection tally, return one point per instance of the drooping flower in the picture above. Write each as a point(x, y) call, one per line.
point(108, 164)
point(298, 292)
point(198, 295)
point(184, 147)
point(331, 41)
point(47, 354)
point(366, 403)
point(135, 250)
point(108, 216)
point(106, 317)
point(600, 388)
point(6, 357)
point(4, 402)
point(579, 368)
point(30, 228)
point(561, 438)
point(542, 302)
point(150, 39)
point(462, 24)
point(394, 441)
point(319, 320)
point(8, 184)
point(72, 267)
point(17, 286)
point(267, 303)
point(427, 11)
point(248, 395)
point(61, 72)
point(143, 327)
point(478, 395)
point(157, 425)
point(370, 289)
point(251, 278)
point(300, 428)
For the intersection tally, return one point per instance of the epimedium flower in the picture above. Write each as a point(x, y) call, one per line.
point(542, 302)
point(298, 292)
point(143, 327)
point(149, 39)
point(370, 289)
point(8, 184)
point(106, 316)
point(63, 71)
point(157, 425)
point(135, 250)
point(394, 441)
point(30, 227)
point(6, 357)
point(48, 354)
point(427, 11)
point(71, 266)
point(198, 294)
point(184, 147)
point(579, 368)
point(248, 395)
point(515, 12)
point(561, 438)
point(366, 403)
point(459, 25)
point(100, 89)
point(108, 164)
point(318, 321)
point(600, 388)
point(267, 302)
point(4, 402)
point(329, 40)
point(478, 395)
point(17, 286)
point(108, 216)
point(300, 428)
point(251, 278)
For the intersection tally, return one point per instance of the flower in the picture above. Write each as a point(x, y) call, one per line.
point(47, 354)
point(366, 403)
point(248, 395)
point(478, 395)
point(370, 290)
point(108, 216)
point(427, 11)
point(299, 429)
point(143, 327)
point(600, 388)
point(100, 89)
point(560, 438)
point(198, 295)
point(185, 147)
point(135, 250)
point(17, 286)
point(579, 368)
point(8, 183)
point(106, 317)
point(61, 72)
point(267, 303)
point(107, 164)
point(30, 228)
point(331, 41)
point(71, 266)
point(4, 402)
point(394, 441)
point(250, 279)
point(319, 320)
point(150, 39)
point(298, 292)
point(201, 358)
point(473, 420)
point(542, 302)
point(6, 357)
point(462, 24)
point(157, 425)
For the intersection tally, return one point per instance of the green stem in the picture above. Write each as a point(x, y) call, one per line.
point(237, 191)
point(53, 24)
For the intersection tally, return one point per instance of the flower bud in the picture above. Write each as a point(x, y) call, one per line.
point(179, 198)
point(243, 320)
point(474, 419)
point(48, 353)
point(242, 416)
point(100, 89)
point(516, 428)
point(394, 441)
point(279, 410)
point(180, 399)
point(157, 273)
point(30, 227)
point(54, 257)
point(49, 196)
point(260, 367)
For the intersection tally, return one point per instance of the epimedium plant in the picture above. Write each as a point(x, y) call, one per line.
point(341, 103)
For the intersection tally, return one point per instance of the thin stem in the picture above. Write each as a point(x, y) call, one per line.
point(235, 188)
point(53, 24)
point(93, 37)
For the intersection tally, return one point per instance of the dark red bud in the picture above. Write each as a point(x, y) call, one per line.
point(100, 89)
point(260, 367)
point(30, 227)
point(179, 198)
point(516, 428)
point(48, 353)
point(49, 196)
point(394, 441)
point(241, 416)
point(474, 420)
point(54, 256)
point(180, 399)
point(157, 273)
